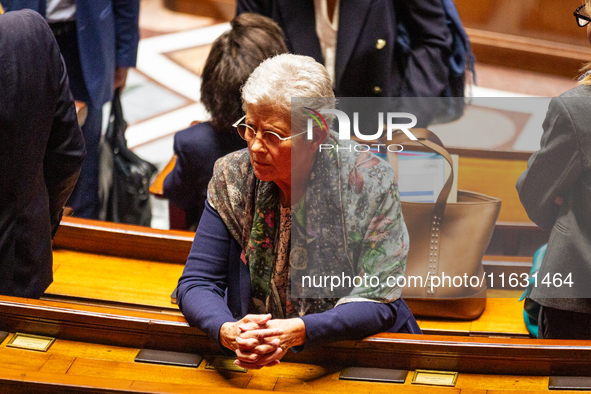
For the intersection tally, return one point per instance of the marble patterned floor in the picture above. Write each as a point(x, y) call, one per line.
point(162, 94)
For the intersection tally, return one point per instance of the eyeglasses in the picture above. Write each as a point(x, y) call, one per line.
point(582, 20)
point(270, 138)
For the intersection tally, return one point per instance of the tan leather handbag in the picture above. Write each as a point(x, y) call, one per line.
point(447, 240)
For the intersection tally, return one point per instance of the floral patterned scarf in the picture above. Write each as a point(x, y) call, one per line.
point(348, 224)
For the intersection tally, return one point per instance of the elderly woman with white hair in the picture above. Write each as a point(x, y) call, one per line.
point(284, 211)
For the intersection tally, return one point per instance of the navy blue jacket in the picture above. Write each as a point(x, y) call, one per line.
point(363, 68)
point(197, 149)
point(215, 289)
point(108, 37)
point(41, 151)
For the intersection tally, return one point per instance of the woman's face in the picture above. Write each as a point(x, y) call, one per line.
point(271, 159)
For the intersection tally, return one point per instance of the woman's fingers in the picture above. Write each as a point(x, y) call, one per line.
point(261, 334)
point(249, 326)
point(250, 360)
point(257, 319)
point(255, 346)
point(253, 322)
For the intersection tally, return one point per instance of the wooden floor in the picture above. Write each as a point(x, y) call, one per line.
point(80, 364)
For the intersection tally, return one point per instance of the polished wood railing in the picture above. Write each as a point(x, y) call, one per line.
point(402, 351)
point(123, 240)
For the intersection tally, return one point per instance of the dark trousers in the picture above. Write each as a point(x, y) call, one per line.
point(560, 324)
point(85, 198)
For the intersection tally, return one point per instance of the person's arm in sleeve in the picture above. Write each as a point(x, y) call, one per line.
point(350, 321)
point(65, 149)
point(180, 185)
point(430, 41)
point(355, 320)
point(201, 288)
point(127, 36)
point(553, 169)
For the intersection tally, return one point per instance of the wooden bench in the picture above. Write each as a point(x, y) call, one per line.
point(81, 366)
point(140, 267)
point(136, 330)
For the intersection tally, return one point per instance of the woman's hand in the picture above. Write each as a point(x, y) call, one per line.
point(294, 331)
point(253, 328)
point(262, 347)
point(254, 353)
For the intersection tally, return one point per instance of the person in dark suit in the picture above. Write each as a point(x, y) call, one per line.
point(555, 190)
point(98, 40)
point(41, 152)
point(356, 41)
point(234, 55)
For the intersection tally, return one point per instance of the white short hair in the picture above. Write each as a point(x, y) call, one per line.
point(276, 80)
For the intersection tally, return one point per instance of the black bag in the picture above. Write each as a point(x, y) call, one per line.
point(124, 177)
point(461, 59)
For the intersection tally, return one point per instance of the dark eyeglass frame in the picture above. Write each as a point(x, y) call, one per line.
point(579, 16)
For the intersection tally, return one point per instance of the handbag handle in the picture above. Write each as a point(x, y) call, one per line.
point(430, 140)
point(117, 124)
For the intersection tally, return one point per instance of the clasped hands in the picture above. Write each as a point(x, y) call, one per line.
point(260, 341)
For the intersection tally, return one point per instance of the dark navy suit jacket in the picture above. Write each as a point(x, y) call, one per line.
point(107, 38)
point(197, 149)
point(363, 68)
point(41, 151)
point(215, 289)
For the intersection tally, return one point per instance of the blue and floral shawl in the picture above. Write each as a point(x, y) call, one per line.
point(348, 224)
